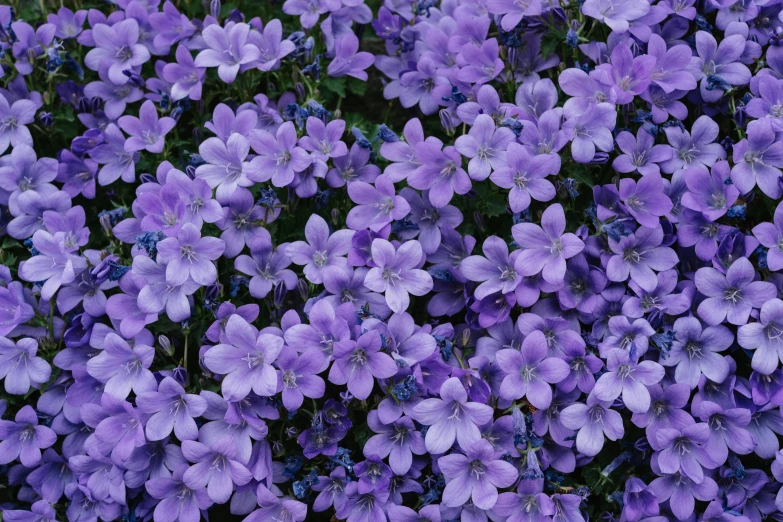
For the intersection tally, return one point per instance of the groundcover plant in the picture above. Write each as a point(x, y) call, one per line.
point(391, 260)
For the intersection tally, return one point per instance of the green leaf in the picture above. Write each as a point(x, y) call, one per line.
point(335, 85)
point(357, 87)
point(9, 243)
point(549, 43)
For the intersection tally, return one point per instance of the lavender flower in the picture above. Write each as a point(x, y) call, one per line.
point(395, 273)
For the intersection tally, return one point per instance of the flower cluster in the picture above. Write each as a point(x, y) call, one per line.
point(522, 262)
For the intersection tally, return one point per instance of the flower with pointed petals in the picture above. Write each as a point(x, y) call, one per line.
point(545, 248)
point(616, 14)
point(271, 507)
point(245, 358)
point(733, 295)
point(123, 368)
point(684, 451)
point(215, 467)
point(451, 417)
point(55, 264)
point(628, 378)
point(640, 154)
point(476, 476)
point(298, 376)
point(513, 11)
point(225, 166)
point(279, 157)
point(322, 251)
point(177, 500)
point(694, 352)
point(357, 365)
point(118, 48)
point(593, 420)
point(147, 131)
point(347, 61)
point(376, 206)
point(485, 145)
point(23, 439)
point(396, 273)
point(765, 337)
point(227, 49)
point(757, 160)
point(189, 254)
point(271, 46)
point(20, 367)
point(173, 409)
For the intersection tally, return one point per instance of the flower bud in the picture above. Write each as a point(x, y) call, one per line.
point(214, 8)
point(303, 289)
point(447, 122)
point(279, 295)
point(166, 345)
point(335, 216)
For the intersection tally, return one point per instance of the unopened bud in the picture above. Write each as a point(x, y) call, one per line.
point(303, 289)
point(465, 336)
point(447, 122)
point(214, 8)
point(279, 294)
point(105, 222)
point(299, 89)
point(166, 345)
point(335, 216)
point(479, 220)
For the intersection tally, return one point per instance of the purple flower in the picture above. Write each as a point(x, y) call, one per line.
point(495, 270)
point(266, 268)
point(513, 11)
point(482, 63)
point(440, 172)
point(670, 72)
point(322, 251)
point(298, 376)
point(591, 131)
point(398, 440)
point(395, 273)
point(274, 508)
point(42, 511)
point(731, 296)
point(20, 366)
point(215, 468)
point(695, 148)
point(625, 335)
point(708, 192)
point(683, 451)
point(245, 358)
point(354, 166)
point(485, 145)
point(422, 86)
point(189, 254)
point(757, 159)
point(358, 364)
point(616, 15)
point(123, 368)
point(645, 200)
point(530, 372)
point(55, 264)
point(225, 166)
point(177, 500)
point(629, 76)
point(147, 131)
point(23, 439)
point(628, 378)
point(640, 154)
point(764, 336)
point(170, 26)
point(13, 120)
point(476, 476)
point(309, 10)
point(376, 206)
point(451, 417)
point(172, 409)
point(639, 254)
point(117, 48)
point(117, 163)
point(429, 219)
point(347, 61)
point(525, 175)
point(718, 60)
point(278, 156)
point(694, 352)
point(271, 46)
point(766, 104)
point(545, 248)
point(227, 49)
point(186, 79)
point(593, 420)
point(24, 171)
point(67, 23)
point(331, 490)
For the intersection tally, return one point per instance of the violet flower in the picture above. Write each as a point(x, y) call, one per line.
point(476, 475)
point(594, 420)
point(451, 417)
point(245, 357)
point(347, 61)
point(24, 439)
point(227, 49)
point(357, 365)
point(731, 296)
point(628, 378)
point(376, 206)
point(20, 367)
point(694, 352)
point(279, 157)
point(640, 154)
point(123, 368)
point(322, 251)
point(485, 145)
point(395, 273)
point(55, 264)
point(173, 410)
point(298, 376)
point(226, 168)
point(117, 47)
point(764, 336)
point(189, 254)
point(757, 159)
point(530, 372)
point(545, 248)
